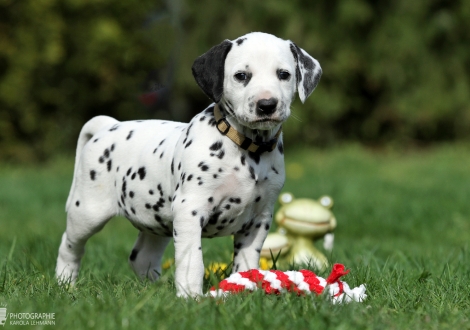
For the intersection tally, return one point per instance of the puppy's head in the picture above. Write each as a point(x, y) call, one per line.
point(254, 78)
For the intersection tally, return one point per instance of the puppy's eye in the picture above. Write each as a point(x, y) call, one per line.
point(241, 76)
point(283, 75)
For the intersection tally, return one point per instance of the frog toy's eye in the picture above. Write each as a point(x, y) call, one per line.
point(286, 198)
point(326, 201)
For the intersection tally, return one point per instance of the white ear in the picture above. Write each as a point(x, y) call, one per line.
point(308, 72)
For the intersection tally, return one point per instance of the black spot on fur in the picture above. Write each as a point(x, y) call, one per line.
point(109, 165)
point(202, 118)
point(280, 147)
point(93, 174)
point(151, 192)
point(214, 217)
point(112, 147)
point(133, 255)
point(129, 171)
point(201, 221)
point(124, 187)
point(131, 194)
point(132, 209)
point(172, 166)
point(194, 212)
point(214, 176)
point(106, 153)
point(133, 175)
point(258, 199)
point(274, 169)
point(240, 41)
point(258, 225)
point(210, 199)
point(179, 166)
point(148, 206)
point(252, 173)
point(227, 207)
point(216, 146)
point(266, 226)
point(161, 155)
point(115, 127)
point(188, 144)
point(190, 177)
point(77, 203)
point(101, 160)
point(235, 200)
point(243, 160)
point(96, 140)
point(203, 166)
point(142, 172)
point(254, 156)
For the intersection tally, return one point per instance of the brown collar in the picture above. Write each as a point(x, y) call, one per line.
point(241, 140)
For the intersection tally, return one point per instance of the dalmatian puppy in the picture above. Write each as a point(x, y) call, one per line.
point(218, 175)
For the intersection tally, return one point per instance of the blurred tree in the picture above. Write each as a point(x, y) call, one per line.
point(64, 61)
point(393, 70)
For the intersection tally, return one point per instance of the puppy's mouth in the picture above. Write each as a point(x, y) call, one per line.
point(268, 120)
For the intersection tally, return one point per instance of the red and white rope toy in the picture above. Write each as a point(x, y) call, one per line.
point(300, 282)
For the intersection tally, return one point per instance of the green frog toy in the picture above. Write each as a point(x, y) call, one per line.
point(300, 222)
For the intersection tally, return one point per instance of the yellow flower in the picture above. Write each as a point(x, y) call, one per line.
point(167, 264)
point(265, 264)
point(216, 268)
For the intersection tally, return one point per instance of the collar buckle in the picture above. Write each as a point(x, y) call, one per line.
point(220, 123)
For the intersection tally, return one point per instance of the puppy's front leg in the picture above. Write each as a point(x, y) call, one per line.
point(248, 242)
point(188, 254)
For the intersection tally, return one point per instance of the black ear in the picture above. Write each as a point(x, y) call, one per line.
point(308, 71)
point(208, 70)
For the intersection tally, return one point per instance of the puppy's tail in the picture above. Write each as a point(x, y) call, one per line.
point(92, 127)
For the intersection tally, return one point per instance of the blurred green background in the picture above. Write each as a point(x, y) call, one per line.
point(395, 72)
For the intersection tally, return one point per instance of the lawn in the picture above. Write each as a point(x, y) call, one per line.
point(403, 230)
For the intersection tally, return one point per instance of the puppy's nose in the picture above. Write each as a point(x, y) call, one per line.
point(266, 107)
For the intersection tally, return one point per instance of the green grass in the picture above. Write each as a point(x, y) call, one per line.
point(403, 229)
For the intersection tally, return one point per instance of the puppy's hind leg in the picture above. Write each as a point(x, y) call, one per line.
point(82, 223)
point(146, 256)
